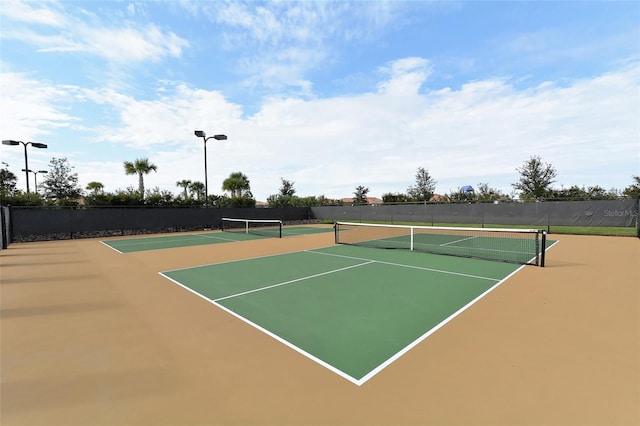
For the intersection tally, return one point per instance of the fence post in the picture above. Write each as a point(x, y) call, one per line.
point(638, 218)
point(70, 222)
point(3, 220)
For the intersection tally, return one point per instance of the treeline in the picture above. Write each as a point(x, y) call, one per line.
point(164, 198)
point(60, 188)
point(155, 198)
point(483, 193)
point(129, 197)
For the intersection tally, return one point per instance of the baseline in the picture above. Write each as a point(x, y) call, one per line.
point(124, 246)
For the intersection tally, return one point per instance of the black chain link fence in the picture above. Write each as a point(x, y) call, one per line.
point(542, 215)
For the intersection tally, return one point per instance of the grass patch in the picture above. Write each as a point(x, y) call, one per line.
point(595, 230)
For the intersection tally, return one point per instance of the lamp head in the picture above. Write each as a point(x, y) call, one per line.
point(200, 134)
point(220, 137)
point(38, 145)
point(10, 142)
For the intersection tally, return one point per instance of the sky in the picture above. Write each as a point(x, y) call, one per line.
point(327, 95)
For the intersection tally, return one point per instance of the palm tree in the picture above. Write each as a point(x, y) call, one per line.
point(197, 188)
point(96, 187)
point(237, 183)
point(184, 184)
point(141, 167)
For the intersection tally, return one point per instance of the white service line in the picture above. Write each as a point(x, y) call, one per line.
point(293, 281)
point(407, 266)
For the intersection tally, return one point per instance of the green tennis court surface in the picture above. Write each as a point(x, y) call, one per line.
point(289, 231)
point(212, 237)
point(521, 246)
point(352, 309)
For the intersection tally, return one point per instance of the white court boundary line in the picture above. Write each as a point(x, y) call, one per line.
point(266, 256)
point(333, 271)
point(112, 248)
point(140, 240)
point(433, 329)
point(168, 239)
point(458, 241)
point(440, 271)
point(383, 365)
point(269, 333)
point(402, 243)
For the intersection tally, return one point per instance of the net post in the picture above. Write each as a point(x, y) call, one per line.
point(335, 232)
point(280, 230)
point(536, 248)
point(411, 247)
point(543, 248)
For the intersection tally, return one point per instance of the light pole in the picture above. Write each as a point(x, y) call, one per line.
point(203, 135)
point(26, 161)
point(35, 176)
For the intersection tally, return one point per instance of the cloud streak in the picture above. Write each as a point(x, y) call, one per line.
point(87, 34)
point(478, 133)
point(330, 95)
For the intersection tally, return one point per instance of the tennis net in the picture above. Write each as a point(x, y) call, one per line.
point(262, 227)
point(522, 246)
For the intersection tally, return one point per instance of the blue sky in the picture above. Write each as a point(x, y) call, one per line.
point(328, 95)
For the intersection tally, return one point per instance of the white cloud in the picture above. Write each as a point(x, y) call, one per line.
point(131, 9)
point(481, 132)
point(123, 43)
point(32, 108)
point(405, 76)
point(176, 112)
point(26, 12)
point(289, 39)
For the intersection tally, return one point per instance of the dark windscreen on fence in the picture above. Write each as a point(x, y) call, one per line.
point(618, 213)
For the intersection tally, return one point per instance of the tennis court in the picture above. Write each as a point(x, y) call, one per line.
point(353, 310)
point(520, 246)
point(129, 245)
point(274, 331)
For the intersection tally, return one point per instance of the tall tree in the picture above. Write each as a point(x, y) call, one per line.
point(184, 184)
point(61, 184)
point(140, 167)
point(95, 187)
point(238, 184)
point(424, 187)
point(285, 197)
point(360, 195)
point(487, 193)
point(7, 181)
point(197, 188)
point(287, 190)
point(535, 178)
